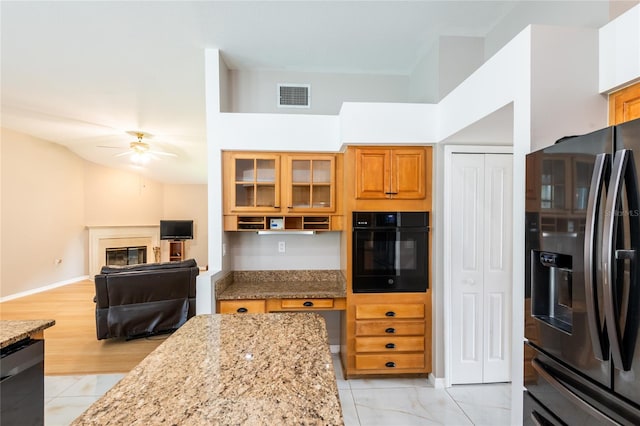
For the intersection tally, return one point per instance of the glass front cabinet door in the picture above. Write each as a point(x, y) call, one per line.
point(256, 182)
point(310, 183)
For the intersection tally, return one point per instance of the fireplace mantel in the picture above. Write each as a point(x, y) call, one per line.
point(103, 236)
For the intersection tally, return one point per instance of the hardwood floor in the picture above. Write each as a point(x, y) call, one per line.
point(71, 346)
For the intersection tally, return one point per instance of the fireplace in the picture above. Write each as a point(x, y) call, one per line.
point(128, 241)
point(121, 256)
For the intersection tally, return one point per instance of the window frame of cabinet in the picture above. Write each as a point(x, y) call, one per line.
point(294, 186)
point(231, 182)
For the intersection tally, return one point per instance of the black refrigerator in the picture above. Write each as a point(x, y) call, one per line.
point(582, 295)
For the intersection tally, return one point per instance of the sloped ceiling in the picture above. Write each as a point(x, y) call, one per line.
point(82, 74)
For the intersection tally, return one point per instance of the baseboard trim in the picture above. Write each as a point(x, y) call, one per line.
point(437, 382)
point(45, 288)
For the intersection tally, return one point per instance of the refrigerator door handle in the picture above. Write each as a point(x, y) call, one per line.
point(567, 393)
point(623, 172)
point(600, 172)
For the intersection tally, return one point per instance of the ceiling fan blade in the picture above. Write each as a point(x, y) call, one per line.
point(122, 154)
point(105, 146)
point(166, 154)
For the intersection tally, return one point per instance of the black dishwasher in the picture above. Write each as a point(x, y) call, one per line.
point(22, 383)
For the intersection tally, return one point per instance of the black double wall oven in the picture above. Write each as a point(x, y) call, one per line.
point(390, 252)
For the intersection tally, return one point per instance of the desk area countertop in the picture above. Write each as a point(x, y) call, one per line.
point(12, 331)
point(280, 285)
point(230, 369)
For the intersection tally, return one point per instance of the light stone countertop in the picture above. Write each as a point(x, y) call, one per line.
point(282, 290)
point(297, 284)
point(12, 331)
point(257, 369)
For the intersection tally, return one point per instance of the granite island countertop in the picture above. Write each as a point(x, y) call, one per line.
point(281, 285)
point(12, 331)
point(230, 369)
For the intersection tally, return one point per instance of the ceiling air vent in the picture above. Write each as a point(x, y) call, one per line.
point(294, 95)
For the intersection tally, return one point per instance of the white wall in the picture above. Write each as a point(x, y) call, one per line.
point(524, 13)
point(256, 91)
point(459, 57)
point(388, 123)
point(188, 202)
point(42, 214)
point(564, 84)
point(250, 251)
point(620, 51)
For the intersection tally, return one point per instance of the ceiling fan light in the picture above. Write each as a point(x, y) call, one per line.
point(140, 158)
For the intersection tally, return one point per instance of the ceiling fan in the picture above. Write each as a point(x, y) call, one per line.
point(140, 151)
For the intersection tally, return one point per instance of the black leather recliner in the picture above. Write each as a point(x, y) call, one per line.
point(141, 300)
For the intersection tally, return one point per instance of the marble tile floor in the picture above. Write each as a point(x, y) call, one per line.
point(366, 402)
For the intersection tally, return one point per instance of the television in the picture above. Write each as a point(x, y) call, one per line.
point(176, 229)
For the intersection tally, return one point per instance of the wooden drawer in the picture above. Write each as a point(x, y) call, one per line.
point(390, 344)
point(242, 306)
point(390, 362)
point(389, 328)
point(389, 311)
point(306, 303)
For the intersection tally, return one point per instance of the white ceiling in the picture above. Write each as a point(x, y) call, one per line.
point(82, 74)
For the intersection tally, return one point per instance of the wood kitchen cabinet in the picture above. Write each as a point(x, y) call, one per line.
point(252, 306)
point(389, 178)
point(310, 183)
point(251, 182)
point(281, 191)
point(260, 306)
point(624, 105)
point(395, 173)
point(388, 334)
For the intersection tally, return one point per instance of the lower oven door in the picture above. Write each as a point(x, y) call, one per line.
point(391, 260)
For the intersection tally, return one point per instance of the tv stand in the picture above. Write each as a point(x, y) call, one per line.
point(176, 250)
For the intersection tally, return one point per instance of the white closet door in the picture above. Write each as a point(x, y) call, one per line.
point(467, 216)
point(497, 267)
point(481, 267)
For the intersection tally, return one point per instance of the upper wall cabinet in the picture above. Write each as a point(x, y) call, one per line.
point(624, 105)
point(281, 191)
point(310, 181)
point(391, 177)
point(251, 182)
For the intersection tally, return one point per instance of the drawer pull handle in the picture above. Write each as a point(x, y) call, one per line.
point(390, 314)
point(390, 364)
point(242, 310)
point(307, 303)
point(390, 346)
point(390, 330)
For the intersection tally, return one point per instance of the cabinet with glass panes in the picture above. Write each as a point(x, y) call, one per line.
point(281, 183)
point(310, 183)
point(251, 182)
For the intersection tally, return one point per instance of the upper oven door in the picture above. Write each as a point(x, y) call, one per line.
point(390, 260)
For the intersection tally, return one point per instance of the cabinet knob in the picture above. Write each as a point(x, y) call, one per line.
point(390, 330)
point(307, 303)
point(242, 310)
point(390, 346)
point(390, 364)
point(390, 314)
